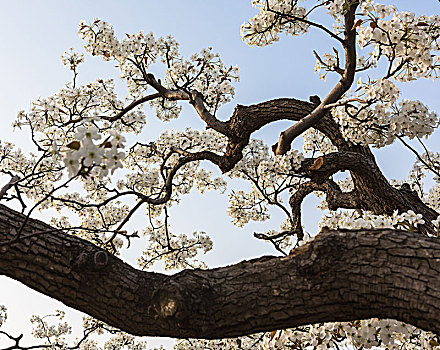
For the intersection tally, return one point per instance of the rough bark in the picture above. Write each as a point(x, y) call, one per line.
point(347, 78)
point(340, 276)
point(372, 191)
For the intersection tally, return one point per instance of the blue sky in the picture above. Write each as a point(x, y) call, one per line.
point(35, 33)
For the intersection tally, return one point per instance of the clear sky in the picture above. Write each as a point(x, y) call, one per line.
point(34, 33)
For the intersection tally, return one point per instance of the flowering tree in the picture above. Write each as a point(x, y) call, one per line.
point(377, 255)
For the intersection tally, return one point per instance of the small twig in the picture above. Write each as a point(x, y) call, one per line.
point(278, 235)
point(344, 102)
point(419, 157)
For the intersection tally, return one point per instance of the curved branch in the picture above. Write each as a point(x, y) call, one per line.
point(195, 98)
point(245, 120)
point(349, 43)
point(14, 179)
point(374, 193)
point(132, 105)
point(295, 202)
point(335, 199)
point(304, 19)
point(340, 276)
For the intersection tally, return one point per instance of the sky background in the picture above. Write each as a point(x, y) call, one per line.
point(35, 33)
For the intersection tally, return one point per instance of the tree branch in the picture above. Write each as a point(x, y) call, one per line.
point(374, 193)
point(195, 98)
point(287, 136)
point(132, 105)
point(340, 276)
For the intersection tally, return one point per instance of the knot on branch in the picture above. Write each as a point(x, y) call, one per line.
point(317, 164)
point(168, 307)
point(315, 99)
point(91, 261)
point(169, 303)
point(100, 259)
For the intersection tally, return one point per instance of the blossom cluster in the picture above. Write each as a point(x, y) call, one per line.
point(257, 160)
point(246, 206)
point(316, 143)
point(409, 43)
point(410, 47)
point(380, 127)
point(97, 159)
point(67, 125)
point(365, 334)
point(379, 118)
point(352, 220)
point(71, 59)
point(204, 72)
point(275, 166)
point(274, 17)
point(94, 224)
point(144, 160)
point(51, 334)
point(132, 53)
point(335, 7)
point(36, 175)
point(176, 251)
point(432, 197)
point(270, 176)
point(117, 341)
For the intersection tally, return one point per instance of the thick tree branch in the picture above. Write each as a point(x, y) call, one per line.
point(341, 87)
point(374, 193)
point(247, 119)
point(208, 118)
point(337, 199)
point(341, 276)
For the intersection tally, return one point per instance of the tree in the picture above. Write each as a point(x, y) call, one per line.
point(376, 254)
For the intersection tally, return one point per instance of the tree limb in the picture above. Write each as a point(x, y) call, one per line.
point(374, 193)
point(349, 43)
point(340, 276)
point(195, 98)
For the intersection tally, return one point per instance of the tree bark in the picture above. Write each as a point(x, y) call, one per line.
point(340, 276)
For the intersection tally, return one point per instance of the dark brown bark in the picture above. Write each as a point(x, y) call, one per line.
point(342, 275)
point(342, 86)
point(372, 191)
